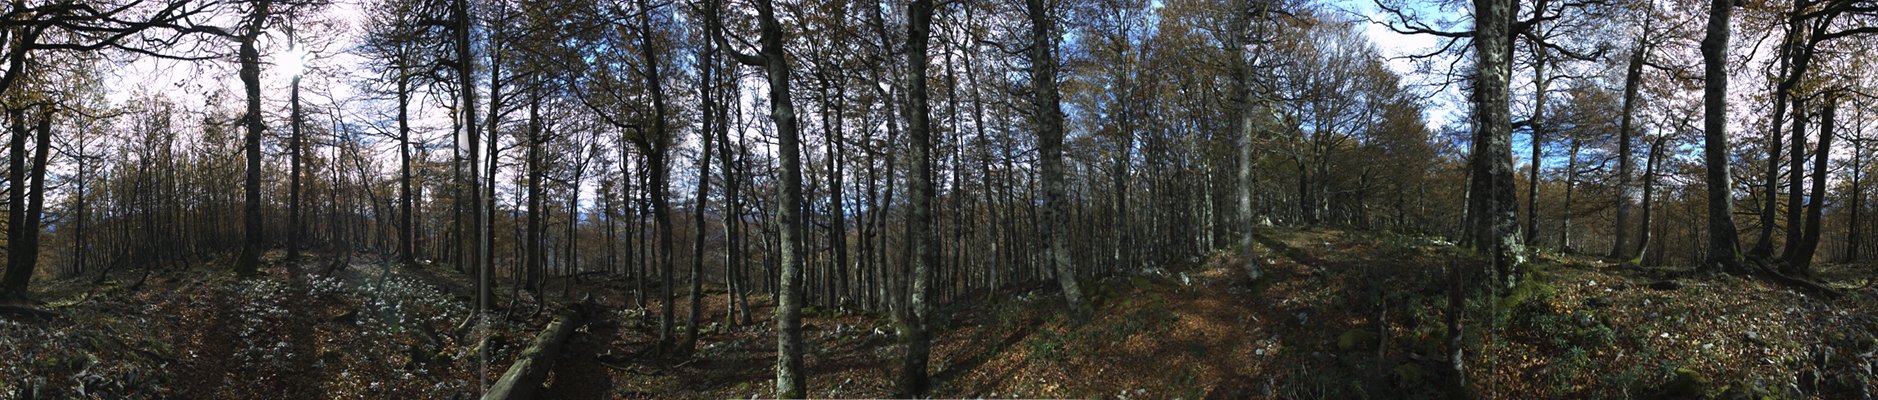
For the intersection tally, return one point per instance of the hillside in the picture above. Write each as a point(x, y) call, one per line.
point(1341, 315)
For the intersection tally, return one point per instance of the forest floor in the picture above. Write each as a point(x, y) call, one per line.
point(1338, 315)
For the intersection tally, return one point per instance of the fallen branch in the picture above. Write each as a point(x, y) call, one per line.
point(524, 377)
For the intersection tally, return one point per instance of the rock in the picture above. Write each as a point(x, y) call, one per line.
point(1356, 339)
point(1755, 338)
point(1665, 285)
point(1686, 383)
point(1585, 320)
point(1598, 302)
point(1409, 375)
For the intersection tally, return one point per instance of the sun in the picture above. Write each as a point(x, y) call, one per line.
point(292, 61)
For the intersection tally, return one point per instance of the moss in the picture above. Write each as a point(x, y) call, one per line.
point(1687, 383)
point(1534, 290)
point(1409, 375)
point(1356, 339)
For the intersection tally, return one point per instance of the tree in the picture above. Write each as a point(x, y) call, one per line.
point(250, 56)
point(771, 57)
point(1724, 251)
point(1491, 212)
point(1802, 260)
point(913, 380)
point(1048, 113)
point(707, 63)
point(1620, 248)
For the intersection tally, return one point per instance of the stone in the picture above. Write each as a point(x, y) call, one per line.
point(1665, 285)
point(1598, 302)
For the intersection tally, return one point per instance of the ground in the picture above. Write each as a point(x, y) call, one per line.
point(1338, 315)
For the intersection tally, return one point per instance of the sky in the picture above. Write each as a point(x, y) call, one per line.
point(332, 71)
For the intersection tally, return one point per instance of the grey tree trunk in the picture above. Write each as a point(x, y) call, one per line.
point(1620, 246)
point(1649, 191)
point(535, 257)
point(294, 226)
point(249, 262)
point(705, 116)
point(1853, 228)
point(406, 218)
point(1495, 216)
point(1049, 113)
point(789, 372)
point(1724, 249)
point(1241, 93)
point(1796, 176)
point(1539, 82)
point(19, 269)
point(913, 379)
point(655, 148)
point(1802, 261)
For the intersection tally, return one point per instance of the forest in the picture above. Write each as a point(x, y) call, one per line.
point(1218, 199)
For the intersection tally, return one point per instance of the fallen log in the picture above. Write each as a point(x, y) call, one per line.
point(524, 378)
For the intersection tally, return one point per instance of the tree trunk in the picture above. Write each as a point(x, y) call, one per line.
point(1802, 261)
point(249, 262)
point(913, 379)
point(406, 218)
point(1853, 231)
point(1649, 191)
point(1496, 219)
point(789, 371)
point(536, 204)
point(1796, 170)
point(28, 245)
point(19, 269)
point(1049, 114)
point(1724, 250)
point(1620, 247)
point(1571, 189)
point(1537, 124)
point(1241, 93)
point(706, 105)
point(531, 367)
point(294, 226)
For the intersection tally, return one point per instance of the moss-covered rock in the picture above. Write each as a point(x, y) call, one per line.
point(1356, 339)
point(1409, 375)
point(1687, 383)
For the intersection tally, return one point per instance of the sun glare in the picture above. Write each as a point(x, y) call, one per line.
point(292, 61)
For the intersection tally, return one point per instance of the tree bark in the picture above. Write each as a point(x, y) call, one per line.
point(771, 57)
point(1620, 247)
point(1495, 216)
point(249, 262)
point(1048, 111)
point(531, 367)
point(536, 204)
point(1724, 249)
point(19, 270)
point(406, 217)
point(294, 224)
point(913, 379)
point(1802, 261)
point(1796, 170)
point(1243, 125)
point(706, 105)
point(1537, 124)
point(1649, 191)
